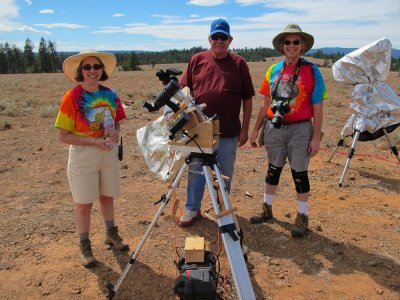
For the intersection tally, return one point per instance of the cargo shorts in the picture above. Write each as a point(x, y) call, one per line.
point(93, 172)
point(291, 141)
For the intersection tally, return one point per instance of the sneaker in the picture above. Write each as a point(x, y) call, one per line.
point(87, 258)
point(300, 226)
point(188, 217)
point(113, 239)
point(263, 216)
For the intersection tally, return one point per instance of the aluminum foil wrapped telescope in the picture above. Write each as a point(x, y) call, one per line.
point(373, 101)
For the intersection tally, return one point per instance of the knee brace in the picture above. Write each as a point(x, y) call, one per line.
point(301, 181)
point(273, 174)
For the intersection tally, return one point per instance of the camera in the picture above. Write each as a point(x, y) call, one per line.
point(279, 107)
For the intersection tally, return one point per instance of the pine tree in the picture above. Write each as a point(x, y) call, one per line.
point(3, 60)
point(43, 57)
point(29, 57)
point(53, 59)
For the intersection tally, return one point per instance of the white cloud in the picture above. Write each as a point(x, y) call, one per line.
point(118, 15)
point(250, 2)
point(61, 25)
point(46, 11)
point(25, 28)
point(9, 10)
point(29, 2)
point(111, 27)
point(177, 32)
point(206, 2)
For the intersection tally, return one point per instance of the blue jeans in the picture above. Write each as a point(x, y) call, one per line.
point(226, 156)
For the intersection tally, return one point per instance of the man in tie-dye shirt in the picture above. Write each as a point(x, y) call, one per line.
point(291, 114)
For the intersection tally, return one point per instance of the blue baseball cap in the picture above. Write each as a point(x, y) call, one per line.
point(220, 25)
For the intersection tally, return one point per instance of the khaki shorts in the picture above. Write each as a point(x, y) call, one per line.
point(93, 172)
point(289, 141)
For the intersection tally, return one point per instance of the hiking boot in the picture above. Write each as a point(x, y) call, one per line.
point(264, 216)
point(87, 258)
point(300, 227)
point(113, 239)
point(188, 217)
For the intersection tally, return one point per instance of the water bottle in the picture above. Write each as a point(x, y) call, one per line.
point(108, 125)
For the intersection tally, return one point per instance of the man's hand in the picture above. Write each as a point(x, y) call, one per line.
point(253, 138)
point(243, 137)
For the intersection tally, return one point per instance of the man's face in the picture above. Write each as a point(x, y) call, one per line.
point(219, 43)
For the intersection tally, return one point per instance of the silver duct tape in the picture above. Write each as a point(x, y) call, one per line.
point(370, 124)
point(374, 104)
point(372, 99)
point(153, 143)
point(367, 64)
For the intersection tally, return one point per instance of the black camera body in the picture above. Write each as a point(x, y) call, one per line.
point(279, 107)
point(197, 281)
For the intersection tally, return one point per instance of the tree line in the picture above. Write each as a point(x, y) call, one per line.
point(47, 60)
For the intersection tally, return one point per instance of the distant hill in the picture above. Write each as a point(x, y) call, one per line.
point(332, 50)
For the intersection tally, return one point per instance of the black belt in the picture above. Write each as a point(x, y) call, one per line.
point(287, 123)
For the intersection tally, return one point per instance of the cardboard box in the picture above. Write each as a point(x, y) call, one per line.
point(194, 249)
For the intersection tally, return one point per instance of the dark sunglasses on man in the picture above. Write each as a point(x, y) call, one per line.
point(88, 67)
point(219, 36)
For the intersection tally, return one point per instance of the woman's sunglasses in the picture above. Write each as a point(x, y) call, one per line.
point(222, 37)
point(295, 42)
point(88, 67)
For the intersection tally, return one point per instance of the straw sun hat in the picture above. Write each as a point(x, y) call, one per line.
point(293, 29)
point(71, 64)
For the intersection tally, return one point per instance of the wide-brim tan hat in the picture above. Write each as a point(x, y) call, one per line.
point(293, 29)
point(71, 64)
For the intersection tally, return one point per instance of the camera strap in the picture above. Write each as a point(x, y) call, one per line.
point(294, 78)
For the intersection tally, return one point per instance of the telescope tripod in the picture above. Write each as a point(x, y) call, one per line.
point(357, 133)
point(227, 224)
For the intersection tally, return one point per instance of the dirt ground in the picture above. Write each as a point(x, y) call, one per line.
point(351, 252)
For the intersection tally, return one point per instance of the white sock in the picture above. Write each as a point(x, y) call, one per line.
point(268, 198)
point(302, 207)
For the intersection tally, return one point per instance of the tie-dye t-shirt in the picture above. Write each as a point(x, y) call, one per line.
point(84, 113)
point(309, 88)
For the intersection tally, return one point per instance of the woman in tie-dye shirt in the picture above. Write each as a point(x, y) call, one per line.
point(294, 91)
point(89, 121)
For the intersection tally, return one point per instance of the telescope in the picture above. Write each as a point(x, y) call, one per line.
point(190, 129)
point(374, 104)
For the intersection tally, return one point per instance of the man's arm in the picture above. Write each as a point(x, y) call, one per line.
point(244, 132)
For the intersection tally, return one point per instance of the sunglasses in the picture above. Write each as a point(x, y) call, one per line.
point(88, 67)
point(295, 42)
point(222, 37)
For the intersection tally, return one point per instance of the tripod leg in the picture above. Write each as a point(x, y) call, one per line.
point(165, 200)
point(339, 144)
point(229, 237)
point(349, 156)
point(391, 144)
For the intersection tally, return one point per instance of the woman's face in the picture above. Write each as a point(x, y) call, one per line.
point(292, 45)
point(91, 75)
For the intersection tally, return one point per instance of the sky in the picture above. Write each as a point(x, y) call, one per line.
point(160, 25)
